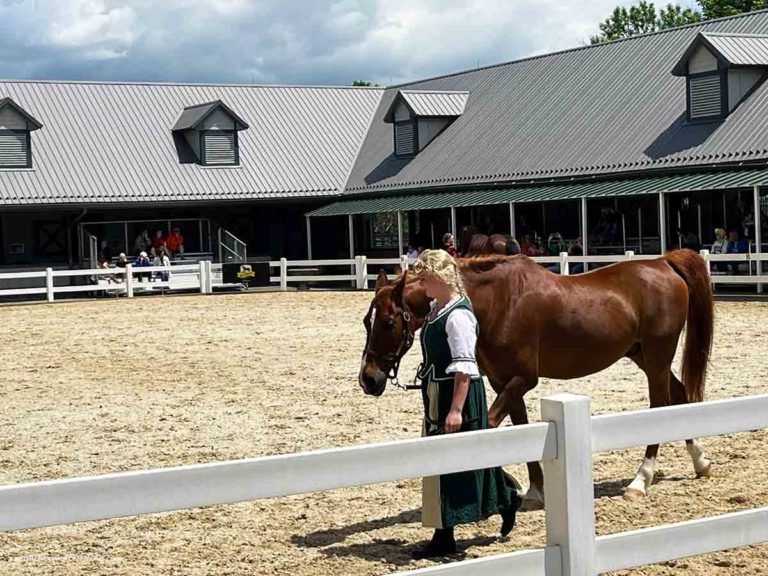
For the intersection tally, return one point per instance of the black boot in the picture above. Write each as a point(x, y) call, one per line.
point(442, 544)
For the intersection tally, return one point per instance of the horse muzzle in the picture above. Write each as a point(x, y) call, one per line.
point(372, 381)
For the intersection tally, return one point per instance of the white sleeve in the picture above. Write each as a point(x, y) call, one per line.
point(461, 329)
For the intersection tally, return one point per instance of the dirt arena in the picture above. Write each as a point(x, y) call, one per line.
point(106, 386)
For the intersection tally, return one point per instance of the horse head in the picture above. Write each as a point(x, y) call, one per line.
point(396, 312)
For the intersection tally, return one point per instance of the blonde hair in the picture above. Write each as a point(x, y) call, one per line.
point(442, 265)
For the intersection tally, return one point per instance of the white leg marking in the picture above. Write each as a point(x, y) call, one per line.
point(534, 494)
point(700, 464)
point(642, 481)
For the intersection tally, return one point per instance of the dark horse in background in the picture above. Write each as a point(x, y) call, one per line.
point(534, 323)
point(472, 242)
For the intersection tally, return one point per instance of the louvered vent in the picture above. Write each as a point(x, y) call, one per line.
point(705, 96)
point(220, 148)
point(405, 139)
point(13, 149)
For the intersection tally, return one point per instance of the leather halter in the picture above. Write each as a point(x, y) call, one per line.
point(393, 358)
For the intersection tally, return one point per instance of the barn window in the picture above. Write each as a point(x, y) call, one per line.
point(219, 148)
point(707, 95)
point(207, 134)
point(16, 125)
point(406, 138)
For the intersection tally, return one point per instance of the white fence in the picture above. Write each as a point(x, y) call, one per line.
point(565, 442)
point(128, 280)
point(738, 268)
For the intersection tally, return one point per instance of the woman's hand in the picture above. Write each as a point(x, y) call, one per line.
point(453, 421)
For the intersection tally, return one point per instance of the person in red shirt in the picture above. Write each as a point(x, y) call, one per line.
point(157, 240)
point(175, 242)
point(448, 244)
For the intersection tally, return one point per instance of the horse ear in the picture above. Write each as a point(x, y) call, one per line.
point(397, 292)
point(381, 280)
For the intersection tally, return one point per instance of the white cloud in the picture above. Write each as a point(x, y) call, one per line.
point(294, 41)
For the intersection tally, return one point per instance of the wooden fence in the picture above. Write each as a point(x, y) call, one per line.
point(564, 441)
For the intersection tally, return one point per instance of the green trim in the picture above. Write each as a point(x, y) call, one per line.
point(686, 182)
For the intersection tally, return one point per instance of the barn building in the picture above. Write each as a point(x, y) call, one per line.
point(641, 144)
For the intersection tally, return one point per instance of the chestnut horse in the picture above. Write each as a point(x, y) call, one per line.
point(474, 243)
point(533, 323)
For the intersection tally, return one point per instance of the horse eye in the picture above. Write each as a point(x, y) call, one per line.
point(390, 323)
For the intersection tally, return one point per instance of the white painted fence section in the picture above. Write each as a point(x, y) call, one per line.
point(116, 280)
point(565, 442)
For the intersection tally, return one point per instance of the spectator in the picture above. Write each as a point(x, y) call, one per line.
point(576, 249)
point(736, 245)
point(105, 254)
point(142, 261)
point(142, 243)
point(175, 242)
point(555, 244)
point(166, 262)
point(720, 245)
point(532, 247)
point(448, 244)
point(160, 258)
point(122, 262)
point(412, 252)
point(157, 240)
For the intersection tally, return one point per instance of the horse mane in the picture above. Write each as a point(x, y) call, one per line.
point(485, 263)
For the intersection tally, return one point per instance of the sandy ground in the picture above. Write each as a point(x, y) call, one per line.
point(106, 386)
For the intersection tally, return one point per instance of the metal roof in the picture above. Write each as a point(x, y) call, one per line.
point(434, 103)
point(610, 188)
point(734, 49)
point(595, 110)
point(112, 142)
point(192, 116)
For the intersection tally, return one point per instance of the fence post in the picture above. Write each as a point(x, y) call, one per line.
point(49, 284)
point(283, 274)
point(358, 272)
point(209, 277)
point(404, 262)
point(629, 254)
point(568, 479)
point(365, 272)
point(705, 255)
point(129, 280)
point(564, 266)
point(201, 276)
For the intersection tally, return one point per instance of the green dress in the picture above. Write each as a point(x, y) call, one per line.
point(462, 497)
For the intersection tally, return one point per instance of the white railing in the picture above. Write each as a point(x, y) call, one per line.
point(564, 442)
point(126, 280)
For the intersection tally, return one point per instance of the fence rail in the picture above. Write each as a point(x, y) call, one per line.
point(565, 442)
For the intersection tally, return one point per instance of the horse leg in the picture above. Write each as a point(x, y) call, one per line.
point(701, 465)
point(510, 401)
point(658, 387)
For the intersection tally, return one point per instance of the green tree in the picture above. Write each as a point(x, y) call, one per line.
point(643, 18)
point(720, 8)
point(363, 83)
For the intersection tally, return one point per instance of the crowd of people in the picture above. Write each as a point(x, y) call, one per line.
point(155, 251)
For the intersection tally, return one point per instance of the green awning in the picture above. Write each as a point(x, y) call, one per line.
point(672, 183)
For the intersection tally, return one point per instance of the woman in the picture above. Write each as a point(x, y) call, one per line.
point(449, 244)
point(454, 401)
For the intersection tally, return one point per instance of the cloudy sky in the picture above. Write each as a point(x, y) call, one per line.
point(281, 41)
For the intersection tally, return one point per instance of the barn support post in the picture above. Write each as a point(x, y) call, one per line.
point(309, 239)
point(129, 280)
point(584, 230)
point(758, 235)
point(662, 223)
point(49, 284)
point(453, 223)
point(570, 518)
point(512, 227)
point(400, 233)
point(351, 224)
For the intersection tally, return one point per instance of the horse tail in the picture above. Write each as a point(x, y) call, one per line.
point(700, 322)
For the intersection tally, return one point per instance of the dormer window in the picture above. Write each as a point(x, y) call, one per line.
point(16, 125)
point(419, 116)
point(207, 134)
point(721, 70)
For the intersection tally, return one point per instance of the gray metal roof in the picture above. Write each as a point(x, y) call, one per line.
point(431, 103)
point(192, 116)
point(740, 49)
point(603, 109)
point(112, 142)
point(32, 123)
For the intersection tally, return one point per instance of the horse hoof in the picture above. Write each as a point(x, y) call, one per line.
point(531, 506)
point(633, 494)
point(705, 472)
